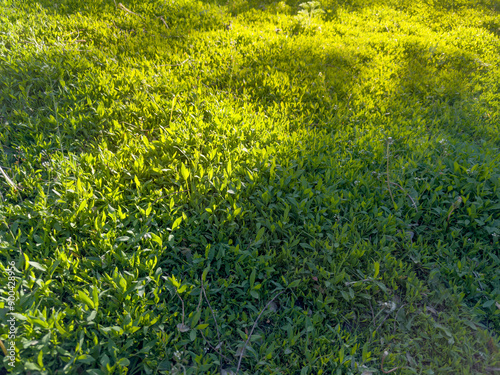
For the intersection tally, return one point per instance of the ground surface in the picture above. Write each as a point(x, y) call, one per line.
point(170, 167)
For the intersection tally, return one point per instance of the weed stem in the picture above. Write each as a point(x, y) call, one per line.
point(389, 141)
point(122, 7)
point(182, 306)
point(253, 327)
point(408, 195)
point(213, 314)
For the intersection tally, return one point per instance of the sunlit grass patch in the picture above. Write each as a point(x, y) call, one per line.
point(172, 167)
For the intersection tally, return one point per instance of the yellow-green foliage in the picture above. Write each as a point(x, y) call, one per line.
point(344, 153)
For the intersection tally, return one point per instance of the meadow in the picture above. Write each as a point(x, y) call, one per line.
point(250, 187)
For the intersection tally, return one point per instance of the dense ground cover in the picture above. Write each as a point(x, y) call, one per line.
point(171, 167)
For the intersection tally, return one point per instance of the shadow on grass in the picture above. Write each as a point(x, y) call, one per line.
point(323, 210)
point(442, 82)
point(37, 104)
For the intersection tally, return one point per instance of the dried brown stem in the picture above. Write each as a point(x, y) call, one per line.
point(122, 7)
point(182, 306)
point(388, 181)
point(455, 205)
point(9, 181)
point(11, 184)
point(357, 281)
point(373, 315)
point(183, 62)
point(382, 322)
point(408, 195)
point(215, 349)
point(162, 20)
point(4, 350)
point(213, 314)
point(382, 365)
point(253, 327)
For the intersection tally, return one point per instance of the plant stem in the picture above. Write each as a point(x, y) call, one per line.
point(253, 327)
point(388, 181)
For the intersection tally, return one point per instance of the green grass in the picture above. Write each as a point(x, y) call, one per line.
point(165, 178)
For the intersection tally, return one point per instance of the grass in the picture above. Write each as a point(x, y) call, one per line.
point(286, 188)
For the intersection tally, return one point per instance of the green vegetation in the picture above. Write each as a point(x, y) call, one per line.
point(170, 166)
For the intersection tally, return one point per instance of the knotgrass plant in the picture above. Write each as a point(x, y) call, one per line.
point(158, 154)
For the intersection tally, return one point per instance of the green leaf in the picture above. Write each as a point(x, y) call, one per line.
point(252, 277)
point(489, 303)
point(260, 233)
point(204, 275)
point(124, 362)
point(40, 359)
point(156, 239)
point(91, 316)
point(26, 261)
point(294, 284)
point(38, 266)
point(174, 281)
point(164, 365)
point(104, 360)
point(31, 366)
point(95, 296)
point(113, 328)
point(18, 316)
point(85, 358)
point(184, 172)
point(149, 346)
point(377, 269)
point(176, 223)
point(196, 319)
point(85, 299)
point(81, 206)
point(100, 109)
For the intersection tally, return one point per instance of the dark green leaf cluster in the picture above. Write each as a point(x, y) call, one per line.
point(305, 188)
